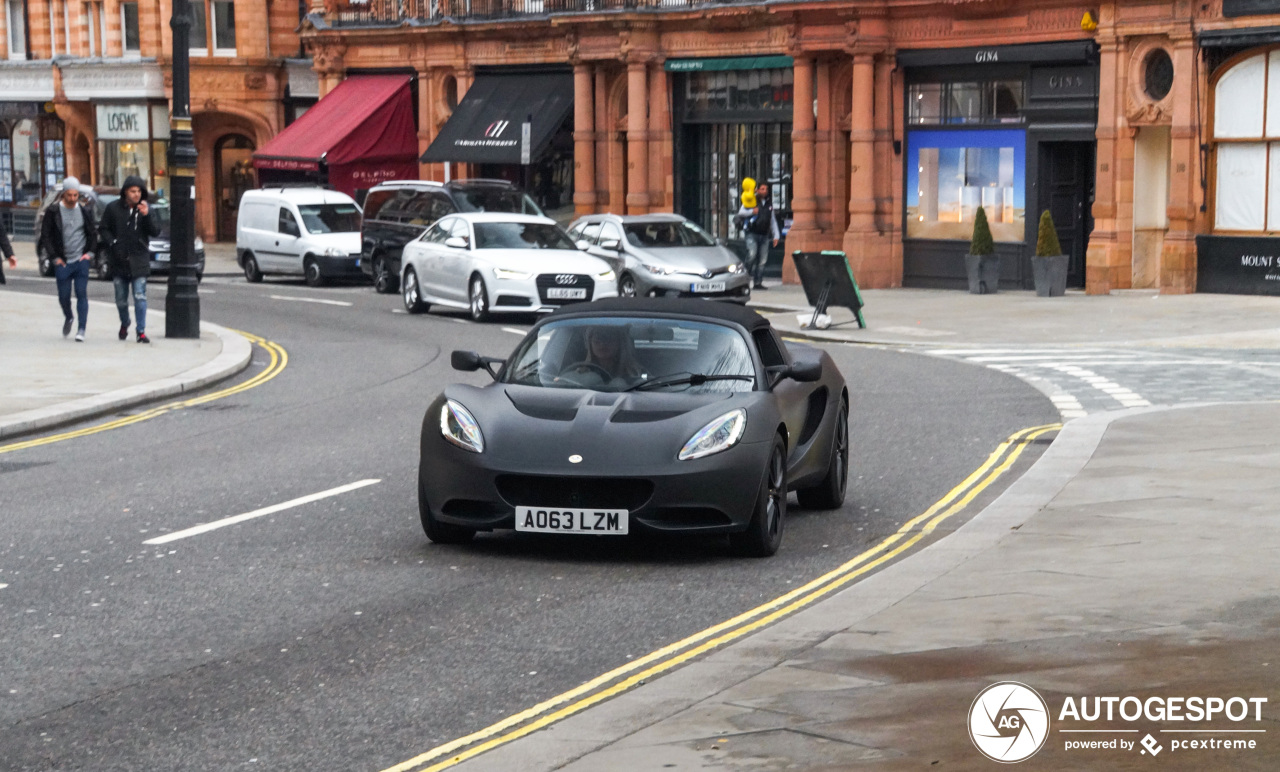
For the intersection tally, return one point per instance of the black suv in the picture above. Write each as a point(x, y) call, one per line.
point(396, 213)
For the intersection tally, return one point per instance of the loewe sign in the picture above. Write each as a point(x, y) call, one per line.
point(122, 122)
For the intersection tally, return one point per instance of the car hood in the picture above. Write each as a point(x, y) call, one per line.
point(544, 260)
point(686, 259)
point(614, 433)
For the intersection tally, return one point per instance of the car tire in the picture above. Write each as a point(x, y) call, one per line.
point(830, 492)
point(251, 272)
point(763, 535)
point(311, 272)
point(412, 295)
point(384, 283)
point(436, 531)
point(627, 286)
point(478, 299)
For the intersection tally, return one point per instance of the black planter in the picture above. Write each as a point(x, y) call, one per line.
point(1050, 274)
point(984, 273)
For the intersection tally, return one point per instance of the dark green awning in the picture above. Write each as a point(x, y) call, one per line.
point(729, 63)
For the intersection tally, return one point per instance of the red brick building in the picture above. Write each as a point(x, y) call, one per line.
point(882, 125)
point(88, 87)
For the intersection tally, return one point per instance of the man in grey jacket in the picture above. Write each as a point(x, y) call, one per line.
point(69, 235)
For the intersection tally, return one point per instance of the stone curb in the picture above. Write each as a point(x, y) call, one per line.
point(235, 356)
point(605, 725)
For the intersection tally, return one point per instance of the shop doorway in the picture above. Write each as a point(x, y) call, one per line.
point(233, 160)
point(717, 156)
point(1066, 190)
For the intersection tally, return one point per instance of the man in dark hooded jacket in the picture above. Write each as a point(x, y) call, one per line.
point(127, 228)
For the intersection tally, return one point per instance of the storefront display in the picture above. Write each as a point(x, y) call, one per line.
point(133, 141)
point(952, 173)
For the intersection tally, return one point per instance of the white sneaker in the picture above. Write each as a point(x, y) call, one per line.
point(79, 336)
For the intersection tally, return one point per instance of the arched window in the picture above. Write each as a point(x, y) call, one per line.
point(1246, 132)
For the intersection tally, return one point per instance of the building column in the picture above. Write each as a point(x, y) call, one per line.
point(603, 140)
point(1178, 258)
point(804, 225)
point(584, 141)
point(637, 137)
point(1110, 245)
point(661, 187)
point(863, 240)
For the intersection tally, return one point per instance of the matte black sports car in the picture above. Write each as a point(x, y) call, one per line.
point(621, 415)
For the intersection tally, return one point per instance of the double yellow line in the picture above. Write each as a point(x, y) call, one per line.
point(637, 672)
point(279, 359)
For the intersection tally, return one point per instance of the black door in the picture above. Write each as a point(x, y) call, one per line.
point(1066, 190)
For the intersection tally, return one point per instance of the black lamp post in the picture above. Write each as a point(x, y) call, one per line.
point(182, 304)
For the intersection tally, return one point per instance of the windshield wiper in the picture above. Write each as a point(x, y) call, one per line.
point(693, 379)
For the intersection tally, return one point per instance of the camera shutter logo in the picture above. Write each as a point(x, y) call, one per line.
point(1008, 722)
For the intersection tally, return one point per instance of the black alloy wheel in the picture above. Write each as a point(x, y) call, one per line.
point(763, 534)
point(830, 492)
point(627, 286)
point(383, 282)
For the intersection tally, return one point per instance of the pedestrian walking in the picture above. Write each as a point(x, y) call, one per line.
point(70, 236)
point(7, 249)
point(127, 228)
point(761, 228)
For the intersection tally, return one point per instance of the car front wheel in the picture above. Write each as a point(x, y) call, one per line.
point(829, 493)
point(413, 302)
point(763, 535)
point(438, 532)
point(384, 282)
point(311, 271)
point(479, 300)
point(627, 286)
point(251, 272)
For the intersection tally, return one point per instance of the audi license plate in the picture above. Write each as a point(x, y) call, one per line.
point(603, 522)
point(707, 286)
point(162, 257)
point(566, 293)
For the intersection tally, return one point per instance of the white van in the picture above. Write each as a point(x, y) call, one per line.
point(309, 232)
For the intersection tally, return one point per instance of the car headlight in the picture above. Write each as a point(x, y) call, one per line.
point(660, 270)
point(608, 275)
point(507, 273)
point(334, 252)
point(719, 435)
point(199, 245)
point(736, 268)
point(459, 427)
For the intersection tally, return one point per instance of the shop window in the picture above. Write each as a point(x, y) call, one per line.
point(739, 90)
point(1246, 132)
point(998, 101)
point(26, 163)
point(17, 28)
point(952, 173)
point(6, 170)
point(129, 34)
point(119, 160)
point(224, 27)
point(55, 163)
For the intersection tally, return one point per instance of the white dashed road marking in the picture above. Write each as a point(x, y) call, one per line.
point(311, 300)
point(515, 330)
point(206, 527)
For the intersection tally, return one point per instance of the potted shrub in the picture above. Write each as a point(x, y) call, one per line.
point(1049, 265)
point(982, 263)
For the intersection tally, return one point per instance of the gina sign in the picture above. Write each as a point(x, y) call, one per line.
point(122, 122)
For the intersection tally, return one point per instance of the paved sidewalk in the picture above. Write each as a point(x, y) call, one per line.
point(1137, 557)
point(52, 380)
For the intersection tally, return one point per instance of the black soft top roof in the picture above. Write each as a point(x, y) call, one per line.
point(712, 309)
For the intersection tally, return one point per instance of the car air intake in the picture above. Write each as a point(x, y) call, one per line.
point(521, 490)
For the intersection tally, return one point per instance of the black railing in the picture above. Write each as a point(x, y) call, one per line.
point(360, 13)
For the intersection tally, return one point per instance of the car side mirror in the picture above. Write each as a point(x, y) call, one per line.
point(611, 244)
point(470, 361)
point(455, 242)
point(584, 245)
point(801, 372)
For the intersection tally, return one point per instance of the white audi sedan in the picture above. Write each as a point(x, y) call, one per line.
point(497, 262)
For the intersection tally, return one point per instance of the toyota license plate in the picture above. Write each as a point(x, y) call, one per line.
point(162, 257)
point(567, 293)
point(602, 522)
point(707, 286)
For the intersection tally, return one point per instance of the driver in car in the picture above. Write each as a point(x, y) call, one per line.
point(610, 356)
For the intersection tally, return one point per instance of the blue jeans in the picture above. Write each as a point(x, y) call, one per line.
point(77, 274)
point(139, 289)
point(757, 254)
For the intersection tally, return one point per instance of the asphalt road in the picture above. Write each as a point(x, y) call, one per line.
point(332, 635)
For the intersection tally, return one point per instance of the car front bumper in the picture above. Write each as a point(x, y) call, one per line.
point(711, 495)
point(737, 287)
point(162, 266)
point(525, 296)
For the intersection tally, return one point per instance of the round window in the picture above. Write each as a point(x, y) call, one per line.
point(1158, 74)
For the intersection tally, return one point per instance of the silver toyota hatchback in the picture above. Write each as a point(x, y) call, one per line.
point(663, 255)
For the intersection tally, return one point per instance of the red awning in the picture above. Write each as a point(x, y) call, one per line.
point(366, 120)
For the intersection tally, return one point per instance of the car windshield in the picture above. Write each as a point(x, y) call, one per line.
point(665, 235)
point(634, 354)
point(330, 218)
point(494, 199)
point(521, 235)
